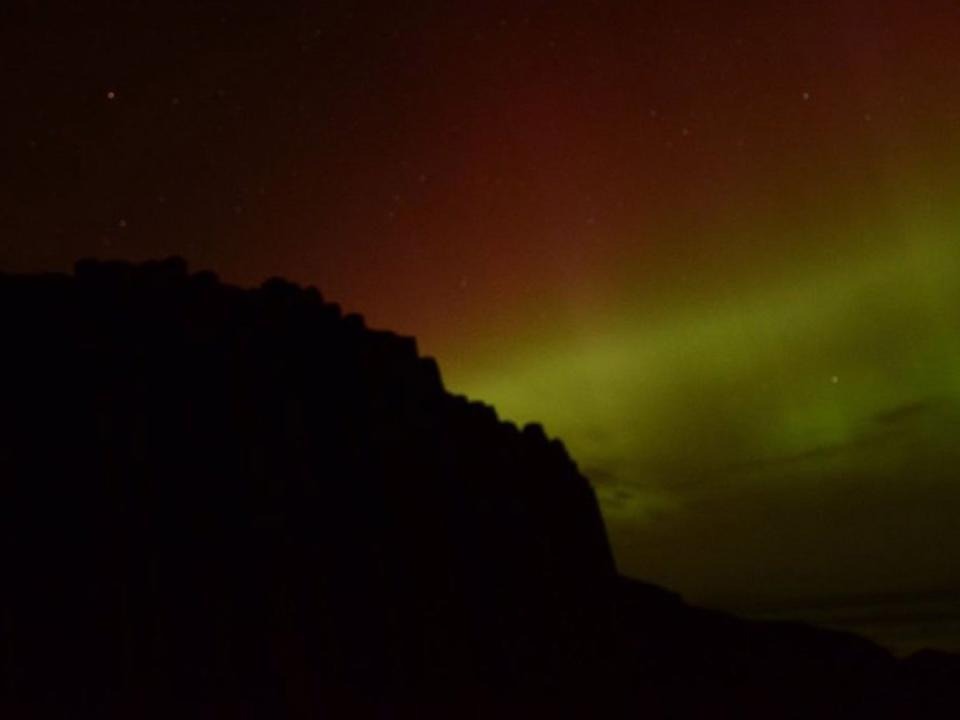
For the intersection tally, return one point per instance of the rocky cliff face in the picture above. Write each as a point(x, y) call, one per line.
point(231, 494)
point(241, 500)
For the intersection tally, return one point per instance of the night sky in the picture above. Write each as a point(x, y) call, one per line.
point(713, 246)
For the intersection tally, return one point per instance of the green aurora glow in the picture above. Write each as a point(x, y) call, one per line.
point(822, 405)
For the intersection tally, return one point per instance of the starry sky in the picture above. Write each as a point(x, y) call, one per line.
point(713, 246)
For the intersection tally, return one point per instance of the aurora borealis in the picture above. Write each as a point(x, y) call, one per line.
point(712, 246)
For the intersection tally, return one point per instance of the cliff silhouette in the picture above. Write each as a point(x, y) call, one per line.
point(244, 502)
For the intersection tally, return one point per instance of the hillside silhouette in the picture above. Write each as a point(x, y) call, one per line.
point(244, 502)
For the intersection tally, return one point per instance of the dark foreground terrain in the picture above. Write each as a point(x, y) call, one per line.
point(238, 503)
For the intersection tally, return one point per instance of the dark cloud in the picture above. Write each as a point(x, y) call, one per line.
point(817, 453)
point(909, 411)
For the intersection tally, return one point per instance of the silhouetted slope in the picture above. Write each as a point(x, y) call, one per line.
point(239, 498)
